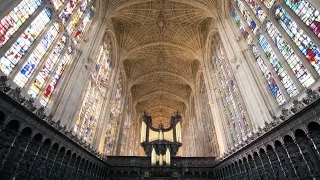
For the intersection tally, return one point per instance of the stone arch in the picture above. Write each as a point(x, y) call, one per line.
point(27, 132)
point(14, 125)
point(313, 127)
point(38, 137)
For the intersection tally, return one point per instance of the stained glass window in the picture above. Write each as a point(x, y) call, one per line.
point(268, 3)
point(31, 64)
point(102, 70)
point(278, 67)
point(57, 3)
point(67, 11)
point(114, 118)
point(56, 76)
point(84, 24)
point(22, 44)
point(243, 31)
point(89, 113)
point(294, 62)
point(268, 76)
point(307, 13)
point(230, 98)
point(247, 17)
point(15, 19)
point(302, 41)
point(48, 66)
point(258, 11)
point(76, 17)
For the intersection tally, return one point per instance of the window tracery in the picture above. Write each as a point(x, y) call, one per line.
point(16, 18)
point(43, 61)
point(307, 13)
point(228, 91)
point(112, 127)
point(302, 40)
point(91, 106)
point(290, 57)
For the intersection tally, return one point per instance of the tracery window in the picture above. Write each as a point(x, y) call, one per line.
point(112, 127)
point(16, 18)
point(279, 51)
point(91, 106)
point(302, 41)
point(37, 57)
point(268, 76)
point(228, 92)
point(307, 13)
point(294, 62)
point(23, 43)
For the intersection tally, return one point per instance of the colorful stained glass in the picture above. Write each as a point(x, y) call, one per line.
point(247, 17)
point(56, 77)
point(230, 98)
point(67, 11)
point(258, 11)
point(302, 41)
point(268, 3)
point(31, 64)
point(84, 24)
point(294, 62)
point(22, 44)
point(15, 19)
point(102, 69)
point(57, 3)
point(278, 67)
point(307, 13)
point(243, 31)
point(268, 76)
point(76, 17)
point(89, 113)
point(47, 68)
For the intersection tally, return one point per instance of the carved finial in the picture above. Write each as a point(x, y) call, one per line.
point(4, 87)
point(311, 96)
point(40, 112)
point(29, 104)
point(16, 95)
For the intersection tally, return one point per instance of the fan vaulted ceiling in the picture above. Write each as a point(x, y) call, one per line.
point(161, 45)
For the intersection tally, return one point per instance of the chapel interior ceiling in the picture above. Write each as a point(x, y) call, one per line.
point(161, 43)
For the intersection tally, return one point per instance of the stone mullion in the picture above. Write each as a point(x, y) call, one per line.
point(37, 70)
point(230, 106)
point(30, 50)
point(225, 120)
point(21, 29)
point(300, 23)
point(314, 74)
point(244, 125)
point(80, 19)
point(282, 89)
point(50, 77)
point(280, 85)
point(252, 14)
point(290, 72)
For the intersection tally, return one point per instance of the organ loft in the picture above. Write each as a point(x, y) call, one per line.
point(159, 89)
